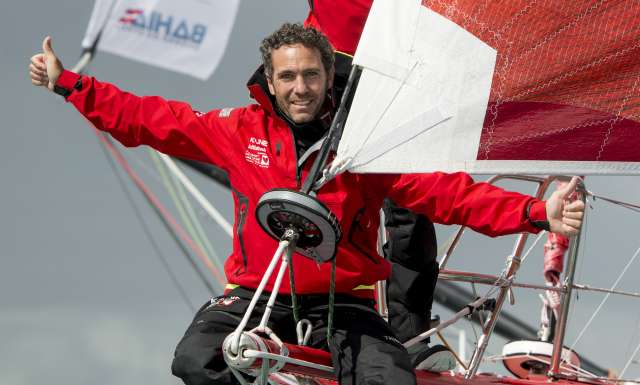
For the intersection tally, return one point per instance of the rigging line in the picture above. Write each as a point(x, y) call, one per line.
point(197, 224)
point(215, 214)
point(626, 205)
point(144, 167)
point(489, 293)
point(626, 366)
point(175, 229)
point(535, 242)
point(170, 185)
point(606, 297)
point(635, 334)
point(145, 227)
point(155, 176)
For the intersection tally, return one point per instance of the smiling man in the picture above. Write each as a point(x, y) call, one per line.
point(300, 82)
point(270, 145)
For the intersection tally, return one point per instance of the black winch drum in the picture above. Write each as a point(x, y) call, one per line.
point(317, 227)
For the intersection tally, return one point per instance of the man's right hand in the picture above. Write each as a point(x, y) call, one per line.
point(45, 67)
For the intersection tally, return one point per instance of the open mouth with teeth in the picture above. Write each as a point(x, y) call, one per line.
point(302, 103)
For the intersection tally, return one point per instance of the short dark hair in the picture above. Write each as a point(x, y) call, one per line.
point(296, 33)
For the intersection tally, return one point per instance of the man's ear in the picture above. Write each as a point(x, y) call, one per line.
point(272, 89)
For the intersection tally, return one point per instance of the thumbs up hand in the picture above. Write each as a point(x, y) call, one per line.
point(565, 216)
point(45, 67)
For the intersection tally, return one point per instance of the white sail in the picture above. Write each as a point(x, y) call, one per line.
point(422, 95)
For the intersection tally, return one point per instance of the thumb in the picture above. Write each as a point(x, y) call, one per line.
point(569, 188)
point(54, 66)
point(47, 48)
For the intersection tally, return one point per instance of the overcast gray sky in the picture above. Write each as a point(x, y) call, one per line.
point(83, 296)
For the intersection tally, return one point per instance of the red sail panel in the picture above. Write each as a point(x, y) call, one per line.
point(567, 78)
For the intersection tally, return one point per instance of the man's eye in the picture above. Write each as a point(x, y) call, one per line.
point(286, 77)
point(312, 75)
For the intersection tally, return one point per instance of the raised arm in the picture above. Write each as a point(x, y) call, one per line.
point(171, 127)
point(456, 199)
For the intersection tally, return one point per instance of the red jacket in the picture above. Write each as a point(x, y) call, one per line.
point(256, 148)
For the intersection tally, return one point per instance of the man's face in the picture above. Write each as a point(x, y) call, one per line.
point(299, 81)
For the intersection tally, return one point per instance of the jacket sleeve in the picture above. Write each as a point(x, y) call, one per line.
point(456, 199)
point(171, 127)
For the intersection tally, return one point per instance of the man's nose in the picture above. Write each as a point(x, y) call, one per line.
point(300, 86)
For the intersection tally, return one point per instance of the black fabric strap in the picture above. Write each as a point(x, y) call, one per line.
point(544, 225)
point(64, 92)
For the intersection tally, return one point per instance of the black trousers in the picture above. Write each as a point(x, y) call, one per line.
point(412, 250)
point(363, 347)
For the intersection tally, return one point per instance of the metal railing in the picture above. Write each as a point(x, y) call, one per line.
point(505, 281)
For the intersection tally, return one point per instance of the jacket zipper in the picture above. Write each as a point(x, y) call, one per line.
point(355, 226)
point(295, 152)
point(299, 167)
point(242, 214)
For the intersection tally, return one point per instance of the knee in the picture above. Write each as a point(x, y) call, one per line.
point(189, 370)
point(385, 363)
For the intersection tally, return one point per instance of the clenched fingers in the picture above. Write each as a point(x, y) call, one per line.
point(572, 214)
point(575, 223)
point(38, 62)
point(36, 70)
point(576, 205)
point(568, 231)
point(38, 75)
point(38, 80)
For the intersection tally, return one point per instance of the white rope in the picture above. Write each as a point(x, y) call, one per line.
point(626, 366)
point(249, 353)
point(606, 297)
point(181, 204)
point(535, 242)
point(196, 226)
point(197, 195)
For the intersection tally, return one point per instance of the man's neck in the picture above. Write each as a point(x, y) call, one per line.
point(305, 134)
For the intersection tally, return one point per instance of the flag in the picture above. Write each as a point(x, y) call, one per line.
point(187, 36)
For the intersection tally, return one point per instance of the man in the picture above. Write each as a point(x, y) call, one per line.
point(258, 147)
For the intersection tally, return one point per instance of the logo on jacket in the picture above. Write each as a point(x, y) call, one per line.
point(256, 152)
point(222, 301)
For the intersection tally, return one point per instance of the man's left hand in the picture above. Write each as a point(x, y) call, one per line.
point(565, 216)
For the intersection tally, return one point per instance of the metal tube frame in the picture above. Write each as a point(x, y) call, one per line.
point(462, 313)
point(558, 341)
point(509, 274)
